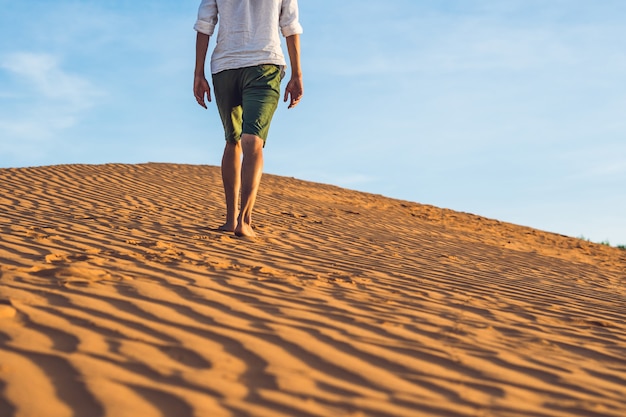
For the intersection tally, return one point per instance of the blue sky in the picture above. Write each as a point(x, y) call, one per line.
point(510, 109)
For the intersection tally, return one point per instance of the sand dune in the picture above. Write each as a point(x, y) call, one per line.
point(118, 298)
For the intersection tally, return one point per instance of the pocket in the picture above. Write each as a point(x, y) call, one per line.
point(269, 69)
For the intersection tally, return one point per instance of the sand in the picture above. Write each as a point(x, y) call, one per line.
point(119, 298)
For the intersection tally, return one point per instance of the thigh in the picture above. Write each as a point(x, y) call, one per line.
point(261, 93)
point(228, 95)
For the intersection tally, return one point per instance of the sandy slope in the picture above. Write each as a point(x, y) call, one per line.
point(118, 299)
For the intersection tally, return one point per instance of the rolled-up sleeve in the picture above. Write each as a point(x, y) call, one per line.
point(207, 17)
point(289, 23)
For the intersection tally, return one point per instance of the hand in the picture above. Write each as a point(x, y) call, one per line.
point(295, 90)
point(200, 89)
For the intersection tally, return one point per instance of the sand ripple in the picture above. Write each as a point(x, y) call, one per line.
point(119, 298)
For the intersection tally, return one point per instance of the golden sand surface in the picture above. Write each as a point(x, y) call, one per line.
point(118, 297)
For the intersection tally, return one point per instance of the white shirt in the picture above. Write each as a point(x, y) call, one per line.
point(248, 33)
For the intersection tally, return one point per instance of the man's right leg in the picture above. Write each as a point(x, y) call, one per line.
point(231, 178)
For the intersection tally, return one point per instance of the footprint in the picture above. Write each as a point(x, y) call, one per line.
point(7, 311)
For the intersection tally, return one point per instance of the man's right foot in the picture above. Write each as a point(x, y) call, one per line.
point(245, 230)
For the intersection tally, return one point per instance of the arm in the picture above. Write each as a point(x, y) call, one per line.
point(294, 86)
point(200, 84)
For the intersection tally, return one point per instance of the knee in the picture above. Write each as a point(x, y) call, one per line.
point(251, 143)
point(232, 146)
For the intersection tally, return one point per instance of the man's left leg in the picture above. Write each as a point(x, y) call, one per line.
point(251, 172)
point(231, 179)
point(228, 99)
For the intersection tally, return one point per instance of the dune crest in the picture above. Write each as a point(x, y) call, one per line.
point(119, 298)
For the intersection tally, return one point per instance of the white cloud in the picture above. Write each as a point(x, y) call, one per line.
point(42, 77)
point(40, 100)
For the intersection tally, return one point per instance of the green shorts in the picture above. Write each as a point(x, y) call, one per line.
point(247, 99)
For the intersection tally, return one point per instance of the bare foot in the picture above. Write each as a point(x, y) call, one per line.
point(227, 227)
point(245, 230)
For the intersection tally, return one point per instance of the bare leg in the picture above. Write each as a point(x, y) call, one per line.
point(251, 172)
point(231, 178)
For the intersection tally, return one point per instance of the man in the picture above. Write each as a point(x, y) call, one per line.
point(247, 66)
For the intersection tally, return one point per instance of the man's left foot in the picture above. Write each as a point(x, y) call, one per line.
point(226, 227)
